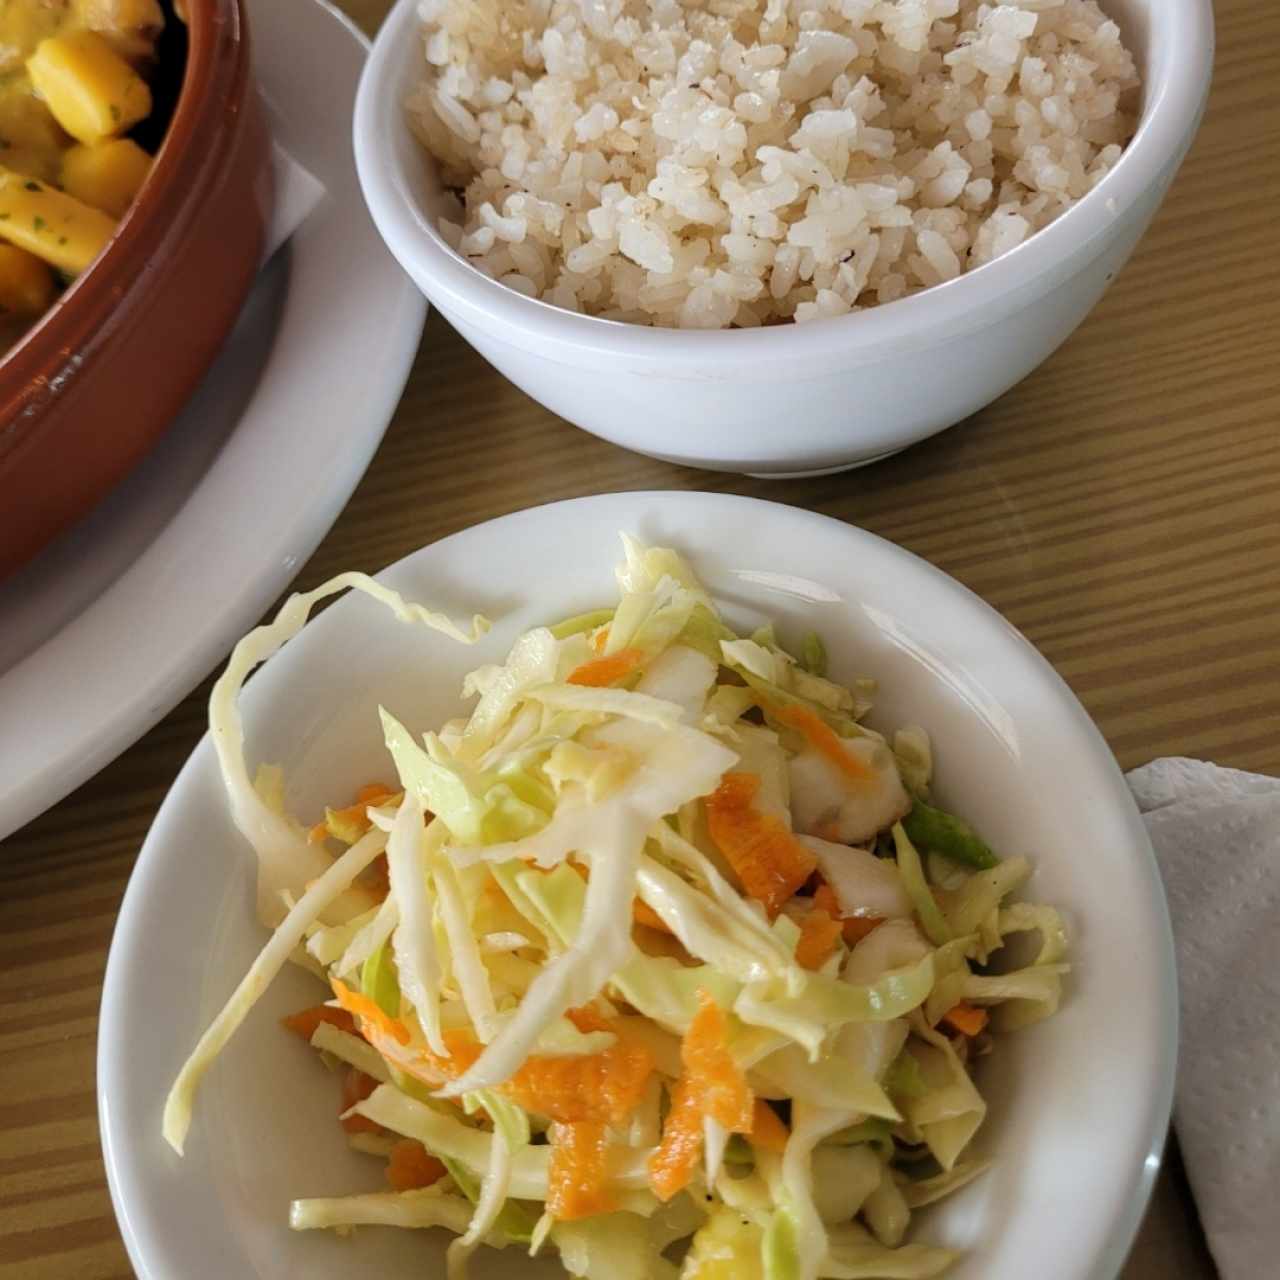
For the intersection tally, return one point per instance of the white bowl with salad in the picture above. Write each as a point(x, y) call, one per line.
point(767, 907)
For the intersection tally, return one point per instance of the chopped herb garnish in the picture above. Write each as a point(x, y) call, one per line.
point(32, 186)
point(38, 222)
point(115, 113)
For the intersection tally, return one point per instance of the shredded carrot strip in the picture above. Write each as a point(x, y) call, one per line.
point(597, 1088)
point(568, 1088)
point(965, 1018)
point(855, 928)
point(600, 672)
point(356, 1087)
point(353, 814)
point(305, 1021)
point(724, 1093)
point(578, 1176)
point(819, 934)
point(767, 1130)
point(368, 1011)
point(824, 738)
point(712, 1085)
point(600, 639)
point(586, 1018)
point(411, 1166)
point(671, 1166)
point(771, 863)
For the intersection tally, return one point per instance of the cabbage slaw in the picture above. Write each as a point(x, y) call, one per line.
point(660, 959)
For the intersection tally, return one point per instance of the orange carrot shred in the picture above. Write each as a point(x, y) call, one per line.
point(356, 1087)
point(586, 1018)
point(305, 1021)
point(965, 1018)
point(711, 1085)
point(600, 639)
point(767, 1130)
point(824, 738)
point(353, 814)
point(577, 1179)
point(671, 1166)
point(819, 934)
point(597, 673)
point(771, 863)
point(368, 1011)
point(725, 1095)
point(584, 1088)
point(855, 928)
point(411, 1166)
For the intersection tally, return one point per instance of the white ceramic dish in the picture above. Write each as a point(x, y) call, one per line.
point(1079, 1105)
point(112, 625)
point(792, 399)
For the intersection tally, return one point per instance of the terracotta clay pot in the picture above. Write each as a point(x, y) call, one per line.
point(95, 383)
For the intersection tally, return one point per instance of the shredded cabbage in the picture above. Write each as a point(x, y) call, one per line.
point(413, 941)
point(271, 959)
point(558, 913)
point(286, 862)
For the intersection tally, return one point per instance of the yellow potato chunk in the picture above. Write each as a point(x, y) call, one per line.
point(106, 176)
point(54, 226)
point(129, 26)
point(22, 27)
point(91, 90)
point(26, 284)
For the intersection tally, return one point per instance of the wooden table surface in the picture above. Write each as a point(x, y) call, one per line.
point(1121, 506)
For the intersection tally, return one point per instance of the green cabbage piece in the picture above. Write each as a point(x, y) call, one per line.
point(922, 1191)
point(853, 1255)
point(926, 907)
point(982, 893)
point(427, 1207)
point(813, 654)
point(658, 986)
point(581, 622)
point(1029, 917)
point(828, 1003)
point(623, 1246)
point(831, 1082)
point(378, 981)
point(950, 1113)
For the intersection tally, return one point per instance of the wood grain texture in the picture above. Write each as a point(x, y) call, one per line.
point(1121, 506)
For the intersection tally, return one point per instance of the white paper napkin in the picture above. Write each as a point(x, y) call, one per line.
point(297, 192)
point(1216, 834)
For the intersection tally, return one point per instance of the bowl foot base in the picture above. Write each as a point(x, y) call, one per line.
point(823, 471)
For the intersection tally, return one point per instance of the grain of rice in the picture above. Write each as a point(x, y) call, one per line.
point(745, 162)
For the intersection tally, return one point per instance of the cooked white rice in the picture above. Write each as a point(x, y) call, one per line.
point(710, 163)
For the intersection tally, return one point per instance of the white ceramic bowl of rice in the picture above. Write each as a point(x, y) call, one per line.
point(863, 265)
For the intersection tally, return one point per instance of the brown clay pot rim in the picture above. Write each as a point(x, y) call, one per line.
point(189, 159)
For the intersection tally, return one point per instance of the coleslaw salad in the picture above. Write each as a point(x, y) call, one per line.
point(659, 951)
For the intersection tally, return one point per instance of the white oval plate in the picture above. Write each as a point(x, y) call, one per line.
point(1079, 1104)
point(112, 625)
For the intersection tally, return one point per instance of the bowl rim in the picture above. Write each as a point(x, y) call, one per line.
point(205, 115)
point(1171, 112)
point(132, 958)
